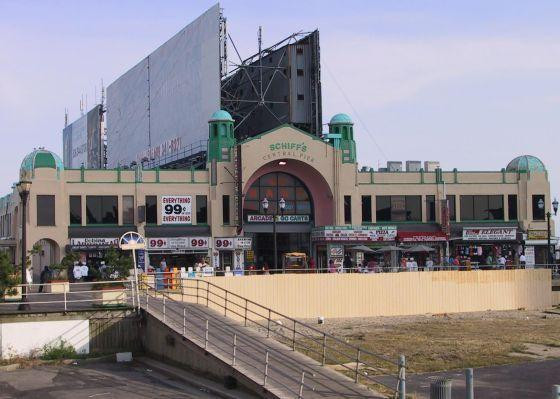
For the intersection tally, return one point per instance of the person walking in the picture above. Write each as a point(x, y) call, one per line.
point(44, 277)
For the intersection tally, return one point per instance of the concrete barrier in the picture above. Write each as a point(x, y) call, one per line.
point(392, 294)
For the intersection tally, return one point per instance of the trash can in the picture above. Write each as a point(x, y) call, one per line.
point(441, 389)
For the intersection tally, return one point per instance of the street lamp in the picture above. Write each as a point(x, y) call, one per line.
point(24, 187)
point(540, 204)
point(282, 205)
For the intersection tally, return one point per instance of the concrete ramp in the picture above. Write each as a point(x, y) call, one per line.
point(208, 342)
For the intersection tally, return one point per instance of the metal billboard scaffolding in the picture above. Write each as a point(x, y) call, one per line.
point(280, 84)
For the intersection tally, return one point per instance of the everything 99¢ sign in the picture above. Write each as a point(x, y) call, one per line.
point(176, 209)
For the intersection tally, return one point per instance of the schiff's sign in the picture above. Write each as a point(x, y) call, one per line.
point(288, 149)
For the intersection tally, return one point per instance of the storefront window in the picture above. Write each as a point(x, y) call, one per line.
point(347, 209)
point(482, 207)
point(398, 208)
point(451, 203)
point(225, 209)
point(366, 208)
point(128, 209)
point(512, 207)
point(151, 209)
point(431, 208)
point(102, 209)
point(76, 209)
point(201, 209)
point(538, 212)
point(274, 186)
point(45, 210)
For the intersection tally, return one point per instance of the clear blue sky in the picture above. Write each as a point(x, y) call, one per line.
point(469, 83)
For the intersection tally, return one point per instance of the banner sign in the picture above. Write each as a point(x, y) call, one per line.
point(530, 255)
point(231, 243)
point(178, 243)
point(279, 218)
point(537, 235)
point(490, 234)
point(362, 233)
point(445, 221)
point(413, 236)
point(238, 263)
point(176, 209)
point(93, 243)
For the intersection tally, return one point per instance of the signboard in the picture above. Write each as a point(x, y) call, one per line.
point(336, 251)
point(207, 271)
point(413, 236)
point(243, 243)
point(178, 243)
point(490, 234)
point(279, 218)
point(361, 233)
point(215, 259)
point(445, 225)
point(238, 263)
point(176, 209)
point(93, 243)
point(537, 235)
point(141, 259)
point(226, 243)
point(529, 255)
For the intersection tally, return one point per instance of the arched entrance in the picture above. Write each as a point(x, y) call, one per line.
point(308, 200)
point(48, 254)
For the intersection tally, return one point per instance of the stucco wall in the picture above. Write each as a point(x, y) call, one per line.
point(392, 294)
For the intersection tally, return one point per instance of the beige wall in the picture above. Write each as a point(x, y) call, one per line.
point(393, 294)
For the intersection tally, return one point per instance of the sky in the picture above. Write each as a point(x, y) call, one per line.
point(471, 84)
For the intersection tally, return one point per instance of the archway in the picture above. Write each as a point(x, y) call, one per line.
point(49, 253)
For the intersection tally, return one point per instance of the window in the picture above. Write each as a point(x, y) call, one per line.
point(431, 208)
point(201, 210)
point(45, 210)
point(347, 209)
point(366, 208)
point(538, 212)
point(398, 208)
point(225, 209)
point(451, 204)
point(299, 72)
point(102, 209)
point(482, 207)
point(512, 207)
point(128, 209)
point(151, 209)
point(76, 209)
point(300, 97)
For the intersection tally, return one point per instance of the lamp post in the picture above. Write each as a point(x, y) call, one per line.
point(548, 215)
point(282, 204)
point(24, 187)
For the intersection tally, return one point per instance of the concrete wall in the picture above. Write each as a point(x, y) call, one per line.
point(392, 294)
point(556, 298)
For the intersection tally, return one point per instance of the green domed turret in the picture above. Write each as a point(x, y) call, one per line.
point(343, 125)
point(39, 158)
point(526, 163)
point(220, 139)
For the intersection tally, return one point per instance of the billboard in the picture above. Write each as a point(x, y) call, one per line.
point(161, 106)
point(82, 142)
point(278, 85)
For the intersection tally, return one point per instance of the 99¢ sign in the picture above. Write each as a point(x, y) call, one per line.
point(223, 243)
point(176, 209)
point(178, 243)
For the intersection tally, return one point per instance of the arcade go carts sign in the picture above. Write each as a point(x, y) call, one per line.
point(176, 209)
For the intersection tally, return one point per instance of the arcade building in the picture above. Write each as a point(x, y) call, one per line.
point(283, 188)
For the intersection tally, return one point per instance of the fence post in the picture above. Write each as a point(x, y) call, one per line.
point(265, 368)
point(147, 306)
point(207, 291)
point(324, 349)
point(184, 321)
point(402, 377)
point(133, 293)
point(301, 385)
point(206, 336)
point(294, 337)
point(268, 325)
point(65, 306)
point(164, 308)
point(357, 371)
point(225, 305)
point(182, 290)
point(197, 281)
point(556, 392)
point(234, 348)
point(469, 383)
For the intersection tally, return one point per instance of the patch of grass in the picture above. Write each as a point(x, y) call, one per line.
point(58, 351)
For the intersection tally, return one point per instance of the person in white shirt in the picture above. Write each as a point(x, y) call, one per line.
point(429, 265)
point(502, 262)
point(414, 265)
point(84, 270)
point(77, 271)
point(522, 261)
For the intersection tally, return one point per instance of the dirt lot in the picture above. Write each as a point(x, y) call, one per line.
point(452, 341)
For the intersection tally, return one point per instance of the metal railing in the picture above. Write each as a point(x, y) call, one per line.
point(65, 296)
point(323, 347)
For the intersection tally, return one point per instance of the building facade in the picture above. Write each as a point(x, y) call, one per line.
point(329, 205)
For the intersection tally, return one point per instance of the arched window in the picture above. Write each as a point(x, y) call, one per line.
point(274, 186)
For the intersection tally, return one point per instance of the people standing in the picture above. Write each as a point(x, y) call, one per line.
point(44, 277)
point(347, 264)
point(332, 268)
point(522, 261)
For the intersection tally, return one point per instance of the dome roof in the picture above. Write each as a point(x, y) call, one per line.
point(341, 119)
point(526, 163)
point(40, 158)
point(221, 115)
